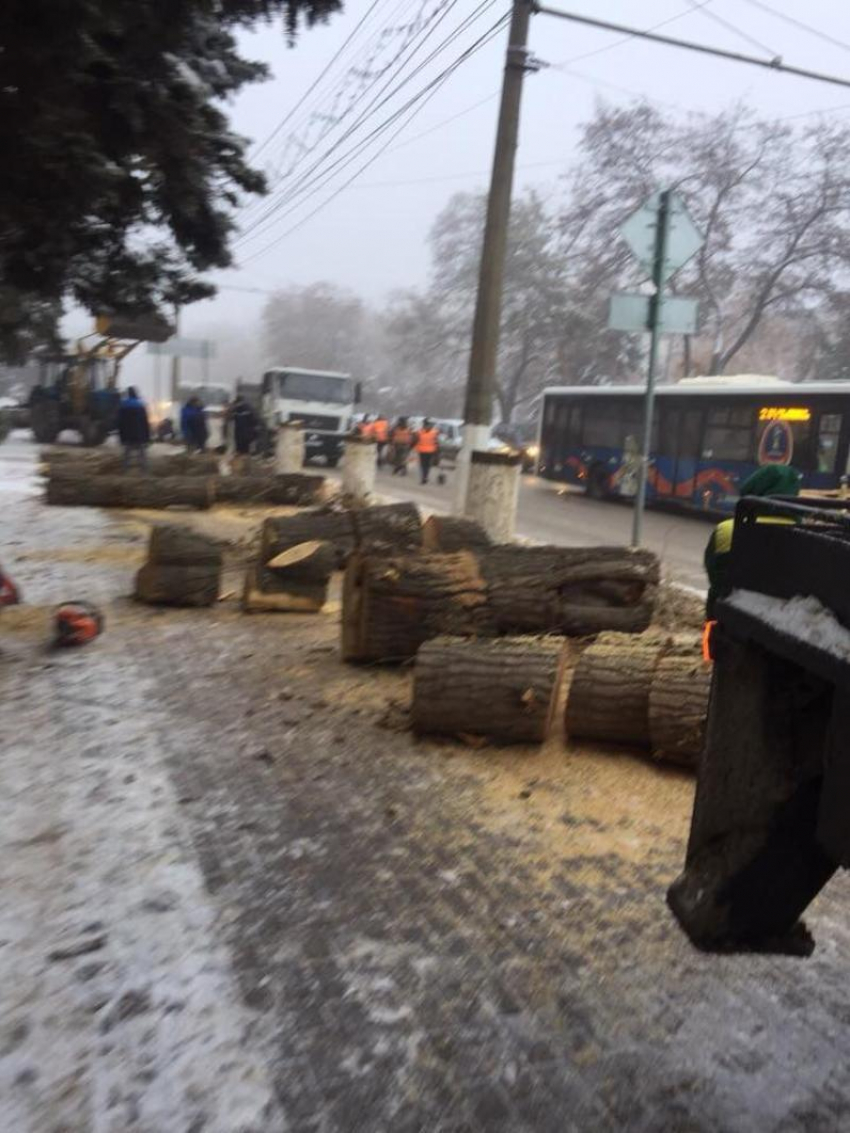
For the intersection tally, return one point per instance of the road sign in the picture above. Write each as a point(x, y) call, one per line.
point(684, 239)
point(184, 348)
point(631, 312)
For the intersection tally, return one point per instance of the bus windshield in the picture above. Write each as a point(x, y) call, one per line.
point(315, 387)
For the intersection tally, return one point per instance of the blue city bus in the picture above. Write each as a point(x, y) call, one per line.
point(708, 436)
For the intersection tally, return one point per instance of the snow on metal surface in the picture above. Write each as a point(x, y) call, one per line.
point(805, 618)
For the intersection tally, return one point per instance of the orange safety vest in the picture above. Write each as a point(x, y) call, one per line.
point(427, 440)
point(402, 437)
point(380, 430)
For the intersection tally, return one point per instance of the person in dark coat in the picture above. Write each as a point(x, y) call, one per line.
point(193, 425)
point(134, 431)
point(244, 424)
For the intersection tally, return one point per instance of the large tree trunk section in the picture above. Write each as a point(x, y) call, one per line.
point(678, 707)
point(178, 546)
point(505, 689)
point(391, 605)
point(334, 527)
point(294, 580)
point(295, 488)
point(178, 585)
point(389, 529)
point(609, 691)
point(109, 463)
point(72, 489)
point(453, 533)
point(571, 590)
point(392, 529)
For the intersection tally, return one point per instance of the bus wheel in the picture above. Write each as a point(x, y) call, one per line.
point(598, 483)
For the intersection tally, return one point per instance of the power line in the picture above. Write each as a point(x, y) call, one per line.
point(688, 45)
point(284, 193)
point(416, 105)
point(288, 117)
point(316, 173)
point(699, 4)
point(799, 24)
point(751, 40)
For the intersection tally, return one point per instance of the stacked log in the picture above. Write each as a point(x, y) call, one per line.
point(648, 692)
point(295, 580)
point(75, 488)
point(504, 689)
point(393, 528)
point(297, 489)
point(183, 569)
point(391, 605)
point(453, 533)
point(106, 462)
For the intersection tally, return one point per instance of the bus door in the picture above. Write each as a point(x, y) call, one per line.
point(677, 454)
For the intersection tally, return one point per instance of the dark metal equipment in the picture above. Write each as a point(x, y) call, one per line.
point(770, 821)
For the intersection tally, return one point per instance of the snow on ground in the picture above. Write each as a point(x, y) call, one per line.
point(802, 617)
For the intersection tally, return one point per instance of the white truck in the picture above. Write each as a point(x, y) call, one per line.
point(323, 401)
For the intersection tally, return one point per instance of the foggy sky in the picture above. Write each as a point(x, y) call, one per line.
point(373, 237)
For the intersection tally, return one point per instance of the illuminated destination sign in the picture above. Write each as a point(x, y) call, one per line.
point(784, 413)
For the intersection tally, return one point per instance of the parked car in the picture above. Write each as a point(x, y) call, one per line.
point(520, 437)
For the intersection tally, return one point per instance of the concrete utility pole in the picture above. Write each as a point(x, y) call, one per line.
point(478, 407)
point(655, 312)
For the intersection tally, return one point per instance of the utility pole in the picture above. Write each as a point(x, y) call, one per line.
point(656, 304)
point(478, 407)
point(175, 360)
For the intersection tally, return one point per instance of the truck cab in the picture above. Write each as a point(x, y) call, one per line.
point(321, 400)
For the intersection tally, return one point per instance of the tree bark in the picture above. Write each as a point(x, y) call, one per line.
point(294, 580)
point(108, 463)
point(392, 605)
point(678, 707)
point(81, 489)
point(452, 533)
point(504, 689)
point(393, 529)
point(610, 689)
point(169, 584)
point(295, 488)
point(571, 590)
point(179, 546)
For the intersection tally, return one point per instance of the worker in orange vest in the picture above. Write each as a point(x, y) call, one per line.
point(402, 439)
point(380, 435)
point(427, 443)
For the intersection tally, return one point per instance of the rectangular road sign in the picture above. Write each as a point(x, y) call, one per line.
point(630, 312)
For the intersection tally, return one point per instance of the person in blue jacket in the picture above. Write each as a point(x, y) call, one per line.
point(193, 425)
point(134, 431)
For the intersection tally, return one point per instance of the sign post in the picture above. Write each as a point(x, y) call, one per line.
point(662, 237)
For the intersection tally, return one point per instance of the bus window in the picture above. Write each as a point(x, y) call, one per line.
point(828, 435)
point(573, 431)
point(729, 434)
point(602, 426)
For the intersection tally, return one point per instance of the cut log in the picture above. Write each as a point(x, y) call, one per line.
point(178, 585)
point(609, 691)
point(678, 707)
point(571, 590)
point(391, 529)
point(109, 462)
point(263, 592)
point(336, 528)
point(505, 689)
point(73, 489)
point(453, 533)
point(178, 546)
point(311, 560)
point(295, 488)
point(392, 605)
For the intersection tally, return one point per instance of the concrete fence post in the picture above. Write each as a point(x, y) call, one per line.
point(493, 493)
point(359, 463)
point(289, 449)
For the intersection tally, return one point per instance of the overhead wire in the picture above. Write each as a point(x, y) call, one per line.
point(797, 23)
point(414, 106)
point(316, 172)
point(729, 26)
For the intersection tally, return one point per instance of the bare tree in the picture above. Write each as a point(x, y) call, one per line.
point(319, 327)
